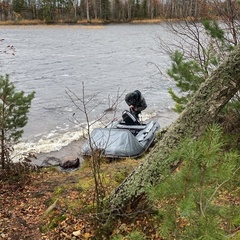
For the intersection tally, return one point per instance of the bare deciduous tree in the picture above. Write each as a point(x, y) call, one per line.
point(84, 105)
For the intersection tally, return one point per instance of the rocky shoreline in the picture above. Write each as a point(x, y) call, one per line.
point(72, 151)
point(69, 153)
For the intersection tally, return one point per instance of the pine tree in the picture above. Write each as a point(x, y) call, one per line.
point(189, 196)
point(188, 76)
point(49, 11)
point(189, 72)
point(14, 107)
point(19, 6)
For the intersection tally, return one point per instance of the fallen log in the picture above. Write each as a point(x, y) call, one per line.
point(201, 111)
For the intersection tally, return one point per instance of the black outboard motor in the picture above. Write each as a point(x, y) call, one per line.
point(129, 118)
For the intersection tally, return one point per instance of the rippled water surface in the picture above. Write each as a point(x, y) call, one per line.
point(110, 60)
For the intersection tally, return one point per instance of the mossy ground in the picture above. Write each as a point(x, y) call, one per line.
point(23, 208)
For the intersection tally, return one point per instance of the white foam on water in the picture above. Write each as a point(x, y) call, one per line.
point(51, 142)
point(59, 138)
point(147, 115)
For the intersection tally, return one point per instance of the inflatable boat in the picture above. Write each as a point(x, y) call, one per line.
point(122, 138)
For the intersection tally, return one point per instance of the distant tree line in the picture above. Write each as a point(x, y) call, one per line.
point(71, 11)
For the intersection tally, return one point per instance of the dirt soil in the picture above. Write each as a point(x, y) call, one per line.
point(55, 204)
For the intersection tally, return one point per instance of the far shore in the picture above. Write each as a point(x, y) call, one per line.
point(84, 22)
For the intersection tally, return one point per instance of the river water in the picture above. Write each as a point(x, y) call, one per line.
point(105, 62)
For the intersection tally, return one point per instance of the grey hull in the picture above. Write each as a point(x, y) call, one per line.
point(118, 140)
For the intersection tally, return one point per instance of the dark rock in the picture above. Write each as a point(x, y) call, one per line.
point(70, 163)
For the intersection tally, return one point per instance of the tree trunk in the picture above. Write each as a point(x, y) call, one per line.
point(203, 109)
point(87, 9)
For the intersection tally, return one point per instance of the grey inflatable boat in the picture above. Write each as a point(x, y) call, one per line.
point(123, 138)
